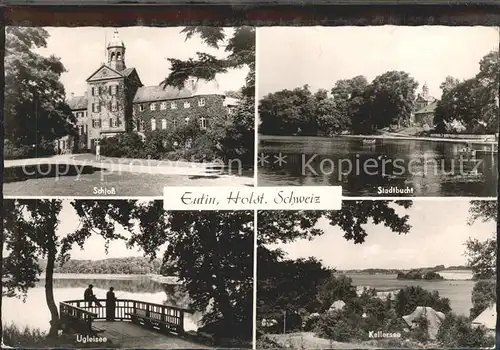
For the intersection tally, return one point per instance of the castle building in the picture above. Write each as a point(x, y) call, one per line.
point(116, 102)
point(425, 105)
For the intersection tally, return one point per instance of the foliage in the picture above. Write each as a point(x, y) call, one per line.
point(473, 102)
point(35, 109)
point(126, 266)
point(483, 295)
point(236, 139)
point(481, 257)
point(299, 278)
point(340, 326)
point(418, 274)
point(335, 288)
point(457, 332)
point(408, 298)
point(355, 105)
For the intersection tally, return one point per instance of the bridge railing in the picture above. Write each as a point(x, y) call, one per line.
point(75, 318)
point(163, 317)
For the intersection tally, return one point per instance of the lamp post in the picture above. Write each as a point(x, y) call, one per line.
point(33, 86)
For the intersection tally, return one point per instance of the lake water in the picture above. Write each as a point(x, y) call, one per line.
point(33, 312)
point(459, 290)
point(430, 168)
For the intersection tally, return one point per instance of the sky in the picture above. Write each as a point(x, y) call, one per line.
point(439, 231)
point(82, 51)
point(93, 248)
point(290, 57)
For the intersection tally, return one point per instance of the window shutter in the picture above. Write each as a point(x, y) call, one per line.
point(93, 92)
point(111, 89)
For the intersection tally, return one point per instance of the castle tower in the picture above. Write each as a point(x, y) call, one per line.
point(425, 91)
point(116, 53)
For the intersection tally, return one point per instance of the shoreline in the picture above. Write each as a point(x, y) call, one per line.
point(388, 137)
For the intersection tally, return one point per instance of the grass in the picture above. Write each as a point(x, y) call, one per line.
point(25, 338)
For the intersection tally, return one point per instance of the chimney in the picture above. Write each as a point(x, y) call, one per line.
point(72, 94)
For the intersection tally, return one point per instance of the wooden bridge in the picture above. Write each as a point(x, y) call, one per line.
point(137, 324)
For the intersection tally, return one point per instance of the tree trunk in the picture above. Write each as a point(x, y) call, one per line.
point(223, 301)
point(49, 293)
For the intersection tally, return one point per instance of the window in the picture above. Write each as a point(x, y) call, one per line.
point(187, 105)
point(141, 108)
point(173, 105)
point(201, 102)
point(115, 122)
point(113, 89)
point(163, 124)
point(152, 107)
point(114, 106)
point(96, 123)
point(96, 108)
point(93, 91)
point(174, 123)
point(80, 130)
point(187, 120)
point(153, 124)
point(163, 106)
point(141, 125)
point(203, 122)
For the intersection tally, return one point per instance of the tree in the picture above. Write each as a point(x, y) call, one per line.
point(349, 96)
point(408, 298)
point(34, 107)
point(211, 252)
point(241, 52)
point(390, 99)
point(473, 102)
point(449, 84)
point(285, 284)
point(288, 112)
point(482, 258)
point(336, 288)
point(237, 139)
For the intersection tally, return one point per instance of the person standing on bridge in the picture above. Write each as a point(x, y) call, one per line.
point(90, 297)
point(110, 304)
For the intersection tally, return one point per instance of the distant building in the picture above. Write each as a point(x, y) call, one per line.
point(116, 102)
point(423, 113)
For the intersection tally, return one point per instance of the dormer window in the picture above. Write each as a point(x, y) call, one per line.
point(201, 102)
point(163, 106)
point(187, 105)
point(152, 107)
point(173, 105)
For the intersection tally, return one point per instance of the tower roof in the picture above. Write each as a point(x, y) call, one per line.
point(116, 41)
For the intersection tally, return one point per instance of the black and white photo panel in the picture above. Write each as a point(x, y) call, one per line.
point(101, 111)
point(380, 110)
point(125, 274)
point(378, 274)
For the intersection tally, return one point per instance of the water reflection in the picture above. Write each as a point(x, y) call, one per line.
point(429, 168)
point(34, 312)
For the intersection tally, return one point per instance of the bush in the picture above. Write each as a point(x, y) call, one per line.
point(43, 149)
point(34, 338)
point(340, 326)
point(457, 332)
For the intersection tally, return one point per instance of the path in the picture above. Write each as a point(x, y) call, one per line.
point(129, 335)
point(308, 340)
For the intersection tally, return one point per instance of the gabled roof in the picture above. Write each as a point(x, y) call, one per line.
point(428, 109)
point(487, 318)
point(427, 98)
point(158, 93)
point(127, 72)
point(78, 102)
